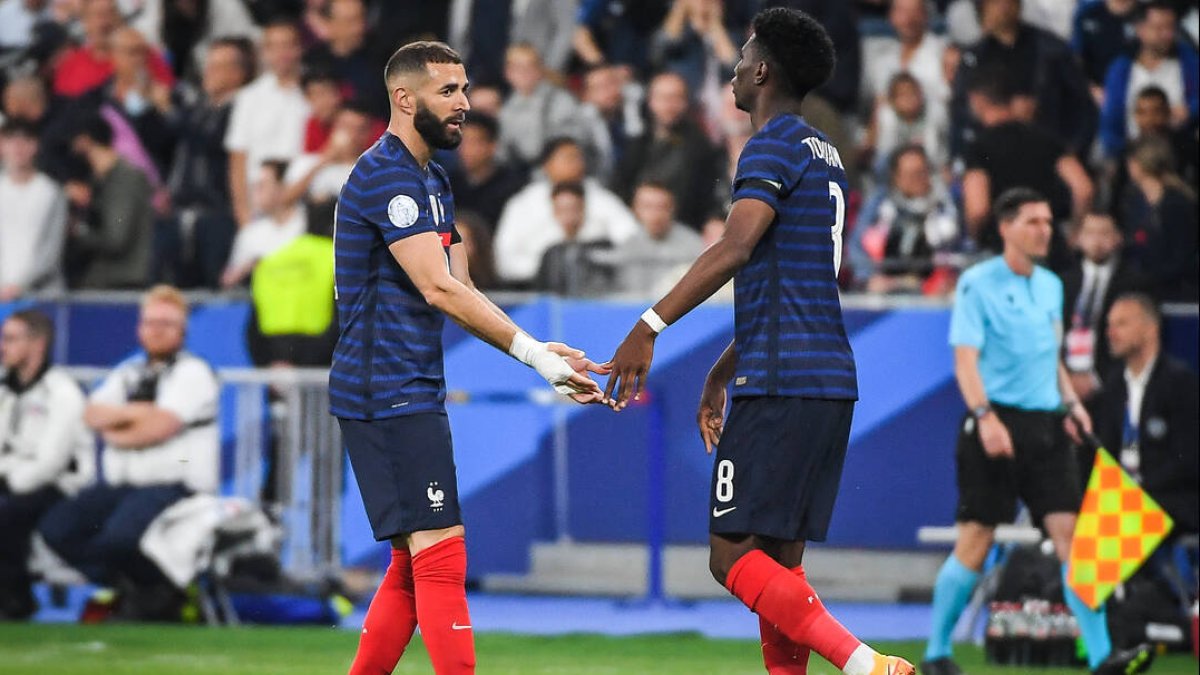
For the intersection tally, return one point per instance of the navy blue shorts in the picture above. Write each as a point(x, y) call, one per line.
point(405, 471)
point(778, 467)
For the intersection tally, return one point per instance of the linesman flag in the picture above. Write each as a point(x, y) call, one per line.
point(1119, 527)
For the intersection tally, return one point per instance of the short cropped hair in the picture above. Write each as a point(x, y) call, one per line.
point(1146, 6)
point(655, 185)
point(167, 295)
point(798, 44)
point(900, 152)
point(277, 167)
point(485, 122)
point(554, 144)
point(568, 188)
point(993, 84)
point(1155, 92)
point(97, 129)
point(15, 126)
point(415, 56)
point(1009, 203)
point(1146, 303)
point(245, 54)
point(36, 323)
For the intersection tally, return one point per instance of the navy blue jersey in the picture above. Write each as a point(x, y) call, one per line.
point(789, 335)
point(388, 359)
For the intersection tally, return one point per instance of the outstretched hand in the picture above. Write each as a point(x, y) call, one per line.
point(629, 366)
point(586, 389)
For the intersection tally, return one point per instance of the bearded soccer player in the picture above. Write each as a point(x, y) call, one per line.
point(401, 269)
point(780, 457)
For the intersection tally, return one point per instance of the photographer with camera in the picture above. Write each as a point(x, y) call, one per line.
point(157, 416)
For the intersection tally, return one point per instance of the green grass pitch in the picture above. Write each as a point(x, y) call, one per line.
point(185, 650)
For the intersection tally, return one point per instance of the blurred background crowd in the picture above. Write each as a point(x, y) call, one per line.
point(188, 141)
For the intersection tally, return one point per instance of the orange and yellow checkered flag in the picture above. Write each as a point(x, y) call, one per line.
point(1119, 527)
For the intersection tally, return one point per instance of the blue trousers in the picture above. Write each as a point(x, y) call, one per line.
point(98, 531)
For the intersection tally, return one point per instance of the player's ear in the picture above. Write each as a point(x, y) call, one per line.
point(402, 98)
point(760, 73)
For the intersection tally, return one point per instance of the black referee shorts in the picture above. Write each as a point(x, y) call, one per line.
point(1042, 473)
point(404, 467)
point(778, 467)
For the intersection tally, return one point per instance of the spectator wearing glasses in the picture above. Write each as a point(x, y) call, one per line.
point(157, 416)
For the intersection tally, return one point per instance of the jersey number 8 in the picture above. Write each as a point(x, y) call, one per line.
point(839, 223)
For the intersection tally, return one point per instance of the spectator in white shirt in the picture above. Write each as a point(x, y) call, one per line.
point(157, 415)
point(32, 220)
point(46, 452)
point(317, 177)
point(279, 222)
point(907, 116)
point(536, 111)
point(914, 50)
point(661, 246)
point(527, 226)
point(269, 115)
point(17, 19)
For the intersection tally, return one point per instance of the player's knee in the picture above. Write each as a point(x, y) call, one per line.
point(721, 560)
point(419, 541)
point(718, 567)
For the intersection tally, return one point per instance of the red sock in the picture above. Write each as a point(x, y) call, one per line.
point(390, 621)
point(440, 576)
point(781, 656)
point(787, 602)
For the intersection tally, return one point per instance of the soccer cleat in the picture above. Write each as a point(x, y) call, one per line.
point(942, 666)
point(1128, 661)
point(892, 665)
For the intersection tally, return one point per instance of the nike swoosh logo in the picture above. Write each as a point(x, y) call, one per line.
point(717, 513)
point(455, 626)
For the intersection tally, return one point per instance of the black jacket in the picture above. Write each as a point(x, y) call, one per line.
point(1125, 279)
point(1168, 435)
point(1041, 65)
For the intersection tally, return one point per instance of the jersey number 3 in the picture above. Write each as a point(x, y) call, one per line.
point(839, 223)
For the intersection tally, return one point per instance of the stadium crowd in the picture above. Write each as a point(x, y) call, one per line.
point(183, 141)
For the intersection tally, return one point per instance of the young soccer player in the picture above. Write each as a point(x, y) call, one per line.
point(401, 269)
point(780, 457)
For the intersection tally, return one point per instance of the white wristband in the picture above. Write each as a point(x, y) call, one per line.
point(653, 320)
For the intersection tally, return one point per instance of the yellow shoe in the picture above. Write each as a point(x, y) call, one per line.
point(892, 665)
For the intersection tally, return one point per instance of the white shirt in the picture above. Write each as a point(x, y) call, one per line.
point(33, 220)
point(527, 227)
point(16, 24)
point(43, 440)
point(1136, 386)
point(881, 62)
point(264, 236)
point(189, 389)
point(226, 18)
point(267, 122)
point(327, 182)
point(1168, 76)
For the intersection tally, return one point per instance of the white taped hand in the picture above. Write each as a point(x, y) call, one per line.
point(549, 365)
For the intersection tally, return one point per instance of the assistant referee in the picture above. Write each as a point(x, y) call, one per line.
point(1006, 329)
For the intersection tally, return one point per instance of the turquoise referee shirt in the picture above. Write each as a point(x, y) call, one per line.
point(1015, 323)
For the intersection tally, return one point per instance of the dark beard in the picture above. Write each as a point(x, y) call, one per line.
point(434, 131)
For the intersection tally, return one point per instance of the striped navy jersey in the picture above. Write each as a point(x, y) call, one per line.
point(388, 359)
point(789, 335)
